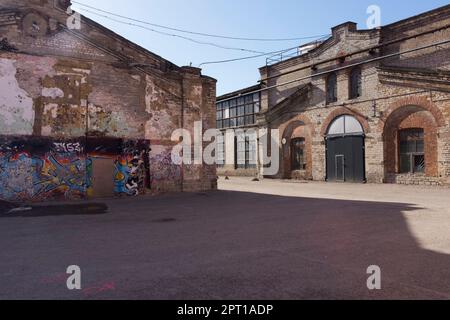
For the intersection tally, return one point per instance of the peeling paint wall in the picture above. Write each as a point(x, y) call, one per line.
point(59, 87)
point(16, 106)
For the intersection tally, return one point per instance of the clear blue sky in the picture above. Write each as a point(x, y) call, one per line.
point(244, 18)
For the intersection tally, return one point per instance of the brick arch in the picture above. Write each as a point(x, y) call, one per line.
point(295, 122)
point(419, 101)
point(342, 112)
point(299, 126)
point(410, 116)
point(290, 130)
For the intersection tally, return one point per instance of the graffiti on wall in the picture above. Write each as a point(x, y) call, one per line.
point(62, 176)
point(131, 168)
point(39, 170)
point(129, 175)
point(163, 169)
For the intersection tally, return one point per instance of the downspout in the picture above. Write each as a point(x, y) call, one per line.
point(182, 127)
point(86, 134)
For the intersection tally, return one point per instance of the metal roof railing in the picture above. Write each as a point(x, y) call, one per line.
point(292, 53)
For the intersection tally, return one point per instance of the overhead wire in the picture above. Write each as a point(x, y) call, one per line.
point(197, 33)
point(258, 53)
point(174, 35)
point(342, 68)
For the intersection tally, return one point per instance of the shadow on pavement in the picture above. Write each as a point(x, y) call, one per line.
point(228, 245)
point(55, 210)
point(5, 206)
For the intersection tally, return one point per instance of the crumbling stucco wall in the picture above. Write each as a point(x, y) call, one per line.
point(87, 104)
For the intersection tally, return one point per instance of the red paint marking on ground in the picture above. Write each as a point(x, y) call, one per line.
point(108, 286)
point(56, 278)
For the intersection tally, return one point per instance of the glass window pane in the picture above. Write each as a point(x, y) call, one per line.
point(405, 163)
point(226, 113)
point(420, 146)
point(419, 163)
point(403, 147)
point(352, 125)
point(337, 127)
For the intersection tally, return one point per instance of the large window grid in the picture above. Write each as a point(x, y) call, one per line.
point(220, 150)
point(245, 151)
point(238, 112)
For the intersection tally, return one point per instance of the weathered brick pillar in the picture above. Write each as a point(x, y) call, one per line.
point(199, 107)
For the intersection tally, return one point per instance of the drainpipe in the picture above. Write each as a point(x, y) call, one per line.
point(182, 127)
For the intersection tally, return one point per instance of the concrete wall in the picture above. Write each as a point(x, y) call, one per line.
point(93, 88)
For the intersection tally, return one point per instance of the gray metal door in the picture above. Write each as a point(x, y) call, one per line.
point(340, 167)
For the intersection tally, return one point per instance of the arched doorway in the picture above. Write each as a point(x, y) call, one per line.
point(297, 151)
point(345, 151)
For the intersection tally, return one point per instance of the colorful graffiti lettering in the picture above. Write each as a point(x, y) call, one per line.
point(26, 177)
point(63, 174)
point(64, 147)
point(38, 169)
point(16, 176)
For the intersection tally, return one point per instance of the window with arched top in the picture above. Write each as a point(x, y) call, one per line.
point(345, 125)
point(355, 85)
point(331, 88)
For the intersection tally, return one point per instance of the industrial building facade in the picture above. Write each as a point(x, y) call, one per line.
point(86, 113)
point(362, 105)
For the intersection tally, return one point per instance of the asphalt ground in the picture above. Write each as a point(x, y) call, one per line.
point(250, 240)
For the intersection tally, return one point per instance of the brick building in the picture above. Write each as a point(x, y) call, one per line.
point(86, 113)
point(364, 105)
